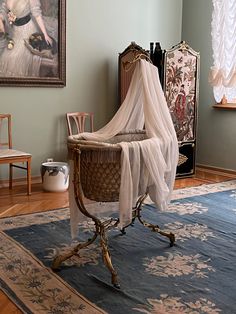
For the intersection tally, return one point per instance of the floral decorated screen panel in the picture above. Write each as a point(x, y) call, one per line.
point(180, 86)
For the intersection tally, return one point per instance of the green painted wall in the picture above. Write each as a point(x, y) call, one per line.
point(216, 137)
point(96, 32)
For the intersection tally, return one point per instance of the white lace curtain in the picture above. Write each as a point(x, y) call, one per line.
point(223, 72)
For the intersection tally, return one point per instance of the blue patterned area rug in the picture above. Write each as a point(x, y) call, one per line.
point(195, 276)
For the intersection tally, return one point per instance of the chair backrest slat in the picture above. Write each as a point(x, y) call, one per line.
point(7, 142)
point(77, 120)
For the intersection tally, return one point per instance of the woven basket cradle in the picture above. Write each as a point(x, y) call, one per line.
point(100, 165)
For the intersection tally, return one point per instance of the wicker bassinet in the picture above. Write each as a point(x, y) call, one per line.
point(100, 164)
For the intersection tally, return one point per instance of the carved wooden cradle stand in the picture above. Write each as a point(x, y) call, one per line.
point(97, 176)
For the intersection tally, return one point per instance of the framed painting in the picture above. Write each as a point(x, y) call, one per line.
point(33, 43)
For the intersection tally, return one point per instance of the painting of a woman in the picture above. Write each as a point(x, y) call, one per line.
point(19, 19)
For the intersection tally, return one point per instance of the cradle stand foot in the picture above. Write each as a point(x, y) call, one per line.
point(170, 235)
point(123, 232)
point(60, 258)
point(172, 238)
point(56, 263)
point(116, 285)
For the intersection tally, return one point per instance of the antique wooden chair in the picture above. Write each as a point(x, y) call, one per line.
point(10, 156)
point(76, 122)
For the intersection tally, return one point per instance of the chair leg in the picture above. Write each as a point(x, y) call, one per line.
point(29, 177)
point(10, 176)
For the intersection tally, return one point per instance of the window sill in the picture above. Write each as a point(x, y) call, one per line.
point(225, 107)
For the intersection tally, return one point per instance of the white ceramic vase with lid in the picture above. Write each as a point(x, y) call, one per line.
point(55, 176)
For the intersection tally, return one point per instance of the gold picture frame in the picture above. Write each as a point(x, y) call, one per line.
point(39, 59)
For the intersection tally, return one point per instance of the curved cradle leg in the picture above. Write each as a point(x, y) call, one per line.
point(60, 258)
point(154, 228)
point(100, 229)
point(135, 212)
point(107, 259)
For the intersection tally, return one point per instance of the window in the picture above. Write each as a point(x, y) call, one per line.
point(223, 72)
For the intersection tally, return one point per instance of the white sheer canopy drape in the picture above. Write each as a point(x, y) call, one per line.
point(223, 73)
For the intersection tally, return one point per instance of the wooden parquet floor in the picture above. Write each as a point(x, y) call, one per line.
point(16, 202)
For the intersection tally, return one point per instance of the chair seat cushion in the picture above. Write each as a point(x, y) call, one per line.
point(4, 153)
